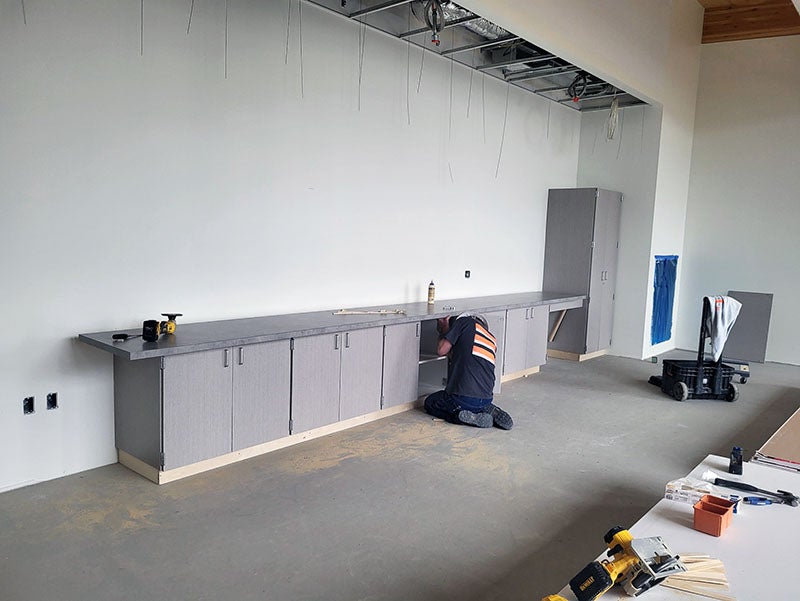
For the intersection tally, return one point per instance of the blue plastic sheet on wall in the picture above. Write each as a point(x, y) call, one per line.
point(663, 297)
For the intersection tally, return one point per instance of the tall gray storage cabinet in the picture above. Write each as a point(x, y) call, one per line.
point(582, 240)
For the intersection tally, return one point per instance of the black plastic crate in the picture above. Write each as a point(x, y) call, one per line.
point(685, 371)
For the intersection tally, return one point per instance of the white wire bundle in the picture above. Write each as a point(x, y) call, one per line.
point(611, 121)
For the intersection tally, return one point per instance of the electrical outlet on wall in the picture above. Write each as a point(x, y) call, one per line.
point(52, 400)
point(27, 405)
point(467, 274)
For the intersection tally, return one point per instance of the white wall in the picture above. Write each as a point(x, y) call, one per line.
point(651, 49)
point(136, 184)
point(629, 163)
point(744, 216)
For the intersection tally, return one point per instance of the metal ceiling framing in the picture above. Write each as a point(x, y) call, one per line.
point(479, 44)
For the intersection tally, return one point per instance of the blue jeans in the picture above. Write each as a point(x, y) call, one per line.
point(446, 406)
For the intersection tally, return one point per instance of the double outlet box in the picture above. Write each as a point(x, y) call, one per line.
point(28, 403)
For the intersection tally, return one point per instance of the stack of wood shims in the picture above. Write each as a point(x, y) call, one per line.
point(705, 577)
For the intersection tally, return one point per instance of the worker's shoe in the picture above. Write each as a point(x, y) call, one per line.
point(500, 418)
point(479, 420)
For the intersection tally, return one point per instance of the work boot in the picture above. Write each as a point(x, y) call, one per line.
point(479, 420)
point(500, 418)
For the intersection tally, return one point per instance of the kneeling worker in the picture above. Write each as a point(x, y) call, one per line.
point(467, 399)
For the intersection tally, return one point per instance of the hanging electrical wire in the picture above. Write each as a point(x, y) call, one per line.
point(471, 74)
point(450, 107)
point(408, 70)
point(549, 104)
point(24, 15)
point(578, 87)
point(483, 104)
point(611, 121)
point(288, 28)
point(226, 39)
point(421, 66)
point(503, 136)
point(300, 35)
point(362, 42)
point(189, 24)
point(141, 28)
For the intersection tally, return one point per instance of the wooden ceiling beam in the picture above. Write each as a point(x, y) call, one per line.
point(764, 20)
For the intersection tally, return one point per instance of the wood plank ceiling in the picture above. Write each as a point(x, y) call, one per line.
point(729, 20)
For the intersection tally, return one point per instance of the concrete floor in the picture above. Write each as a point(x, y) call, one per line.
point(402, 509)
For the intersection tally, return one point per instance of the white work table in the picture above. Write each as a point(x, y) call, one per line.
point(759, 549)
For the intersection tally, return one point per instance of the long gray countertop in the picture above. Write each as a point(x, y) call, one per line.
point(203, 336)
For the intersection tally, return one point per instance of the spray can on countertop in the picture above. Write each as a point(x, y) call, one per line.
point(431, 293)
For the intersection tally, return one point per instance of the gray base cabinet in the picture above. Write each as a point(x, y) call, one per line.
point(181, 409)
point(335, 376)
point(401, 344)
point(581, 248)
point(526, 338)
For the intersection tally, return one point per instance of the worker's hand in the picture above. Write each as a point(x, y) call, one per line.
point(443, 325)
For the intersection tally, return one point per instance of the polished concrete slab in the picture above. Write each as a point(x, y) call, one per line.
point(403, 508)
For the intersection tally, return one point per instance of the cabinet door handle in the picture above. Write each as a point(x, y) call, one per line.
point(227, 357)
point(526, 313)
point(336, 342)
point(347, 340)
point(418, 326)
point(531, 312)
point(241, 355)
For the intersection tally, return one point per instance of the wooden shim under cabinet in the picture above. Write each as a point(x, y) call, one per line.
point(520, 374)
point(575, 356)
point(159, 477)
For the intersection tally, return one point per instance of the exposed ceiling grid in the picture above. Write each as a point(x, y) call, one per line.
point(479, 44)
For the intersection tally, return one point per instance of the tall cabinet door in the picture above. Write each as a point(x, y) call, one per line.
point(361, 372)
point(197, 393)
point(570, 264)
point(401, 348)
point(612, 209)
point(315, 381)
point(261, 379)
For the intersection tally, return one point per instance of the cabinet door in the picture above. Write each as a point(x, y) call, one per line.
point(197, 392)
point(516, 340)
point(538, 318)
point(568, 240)
point(601, 290)
point(315, 381)
point(401, 349)
point(612, 213)
point(497, 326)
point(361, 372)
point(261, 378)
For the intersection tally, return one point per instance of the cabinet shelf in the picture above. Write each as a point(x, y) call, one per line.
point(423, 358)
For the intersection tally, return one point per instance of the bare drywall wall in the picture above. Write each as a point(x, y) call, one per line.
point(239, 172)
point(628, 162)
point(653, 50)
point(743, 217)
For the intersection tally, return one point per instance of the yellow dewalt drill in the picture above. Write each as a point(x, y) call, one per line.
point(152, 328)
point(637, 565)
